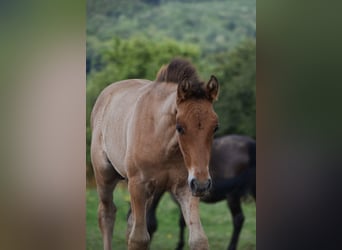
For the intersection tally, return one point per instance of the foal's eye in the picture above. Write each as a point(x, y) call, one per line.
point(216, 128)
point(180, 129)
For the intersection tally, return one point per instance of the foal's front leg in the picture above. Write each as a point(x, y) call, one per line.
point(138, 237)
point(190, 209)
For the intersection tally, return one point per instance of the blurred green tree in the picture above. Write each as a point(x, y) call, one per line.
point(236, 72)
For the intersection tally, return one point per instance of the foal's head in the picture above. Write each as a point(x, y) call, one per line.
point(196, 120)
point(196, 123)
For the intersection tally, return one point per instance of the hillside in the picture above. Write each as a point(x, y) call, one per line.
point(213, 25)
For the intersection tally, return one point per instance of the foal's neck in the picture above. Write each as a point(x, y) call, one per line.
point(167, 119)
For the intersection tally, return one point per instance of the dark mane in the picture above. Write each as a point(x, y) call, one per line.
point(180, 70)
point(177, 71)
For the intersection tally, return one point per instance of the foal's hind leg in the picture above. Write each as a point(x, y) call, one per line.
point(106, 180)
point(234, 204)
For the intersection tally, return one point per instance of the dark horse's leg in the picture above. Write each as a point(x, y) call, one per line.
point(152, 223)
point(182, 226)
point(151, 218)
point(234, 204)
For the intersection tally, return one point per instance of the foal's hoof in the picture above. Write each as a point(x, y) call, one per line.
point(199, 245)
point(137, 245)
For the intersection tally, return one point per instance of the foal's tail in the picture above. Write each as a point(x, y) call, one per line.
point(252, 169)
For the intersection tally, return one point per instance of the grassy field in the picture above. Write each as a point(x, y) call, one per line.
point(215, 218)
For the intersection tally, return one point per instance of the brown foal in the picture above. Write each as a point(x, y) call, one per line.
point(156, 135)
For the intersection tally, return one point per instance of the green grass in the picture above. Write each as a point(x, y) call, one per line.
point(215, 218)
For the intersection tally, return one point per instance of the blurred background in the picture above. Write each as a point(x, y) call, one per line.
point(133, 39)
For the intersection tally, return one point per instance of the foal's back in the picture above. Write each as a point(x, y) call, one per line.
point(110, 135)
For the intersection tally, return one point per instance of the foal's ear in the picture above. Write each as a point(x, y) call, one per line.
point(182, 90)
point(213, 88)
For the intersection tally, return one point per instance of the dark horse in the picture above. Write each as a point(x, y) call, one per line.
point(233, 172)
point(156, 135)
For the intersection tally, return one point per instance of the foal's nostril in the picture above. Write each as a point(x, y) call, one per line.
point(193, 184)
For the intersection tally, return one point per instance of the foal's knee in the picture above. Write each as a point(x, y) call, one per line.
point(106, 212)
point(107, 207)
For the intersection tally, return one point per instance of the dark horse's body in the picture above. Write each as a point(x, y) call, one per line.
point(233, 171)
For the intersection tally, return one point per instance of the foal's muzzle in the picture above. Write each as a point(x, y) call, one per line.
point(200, 188)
